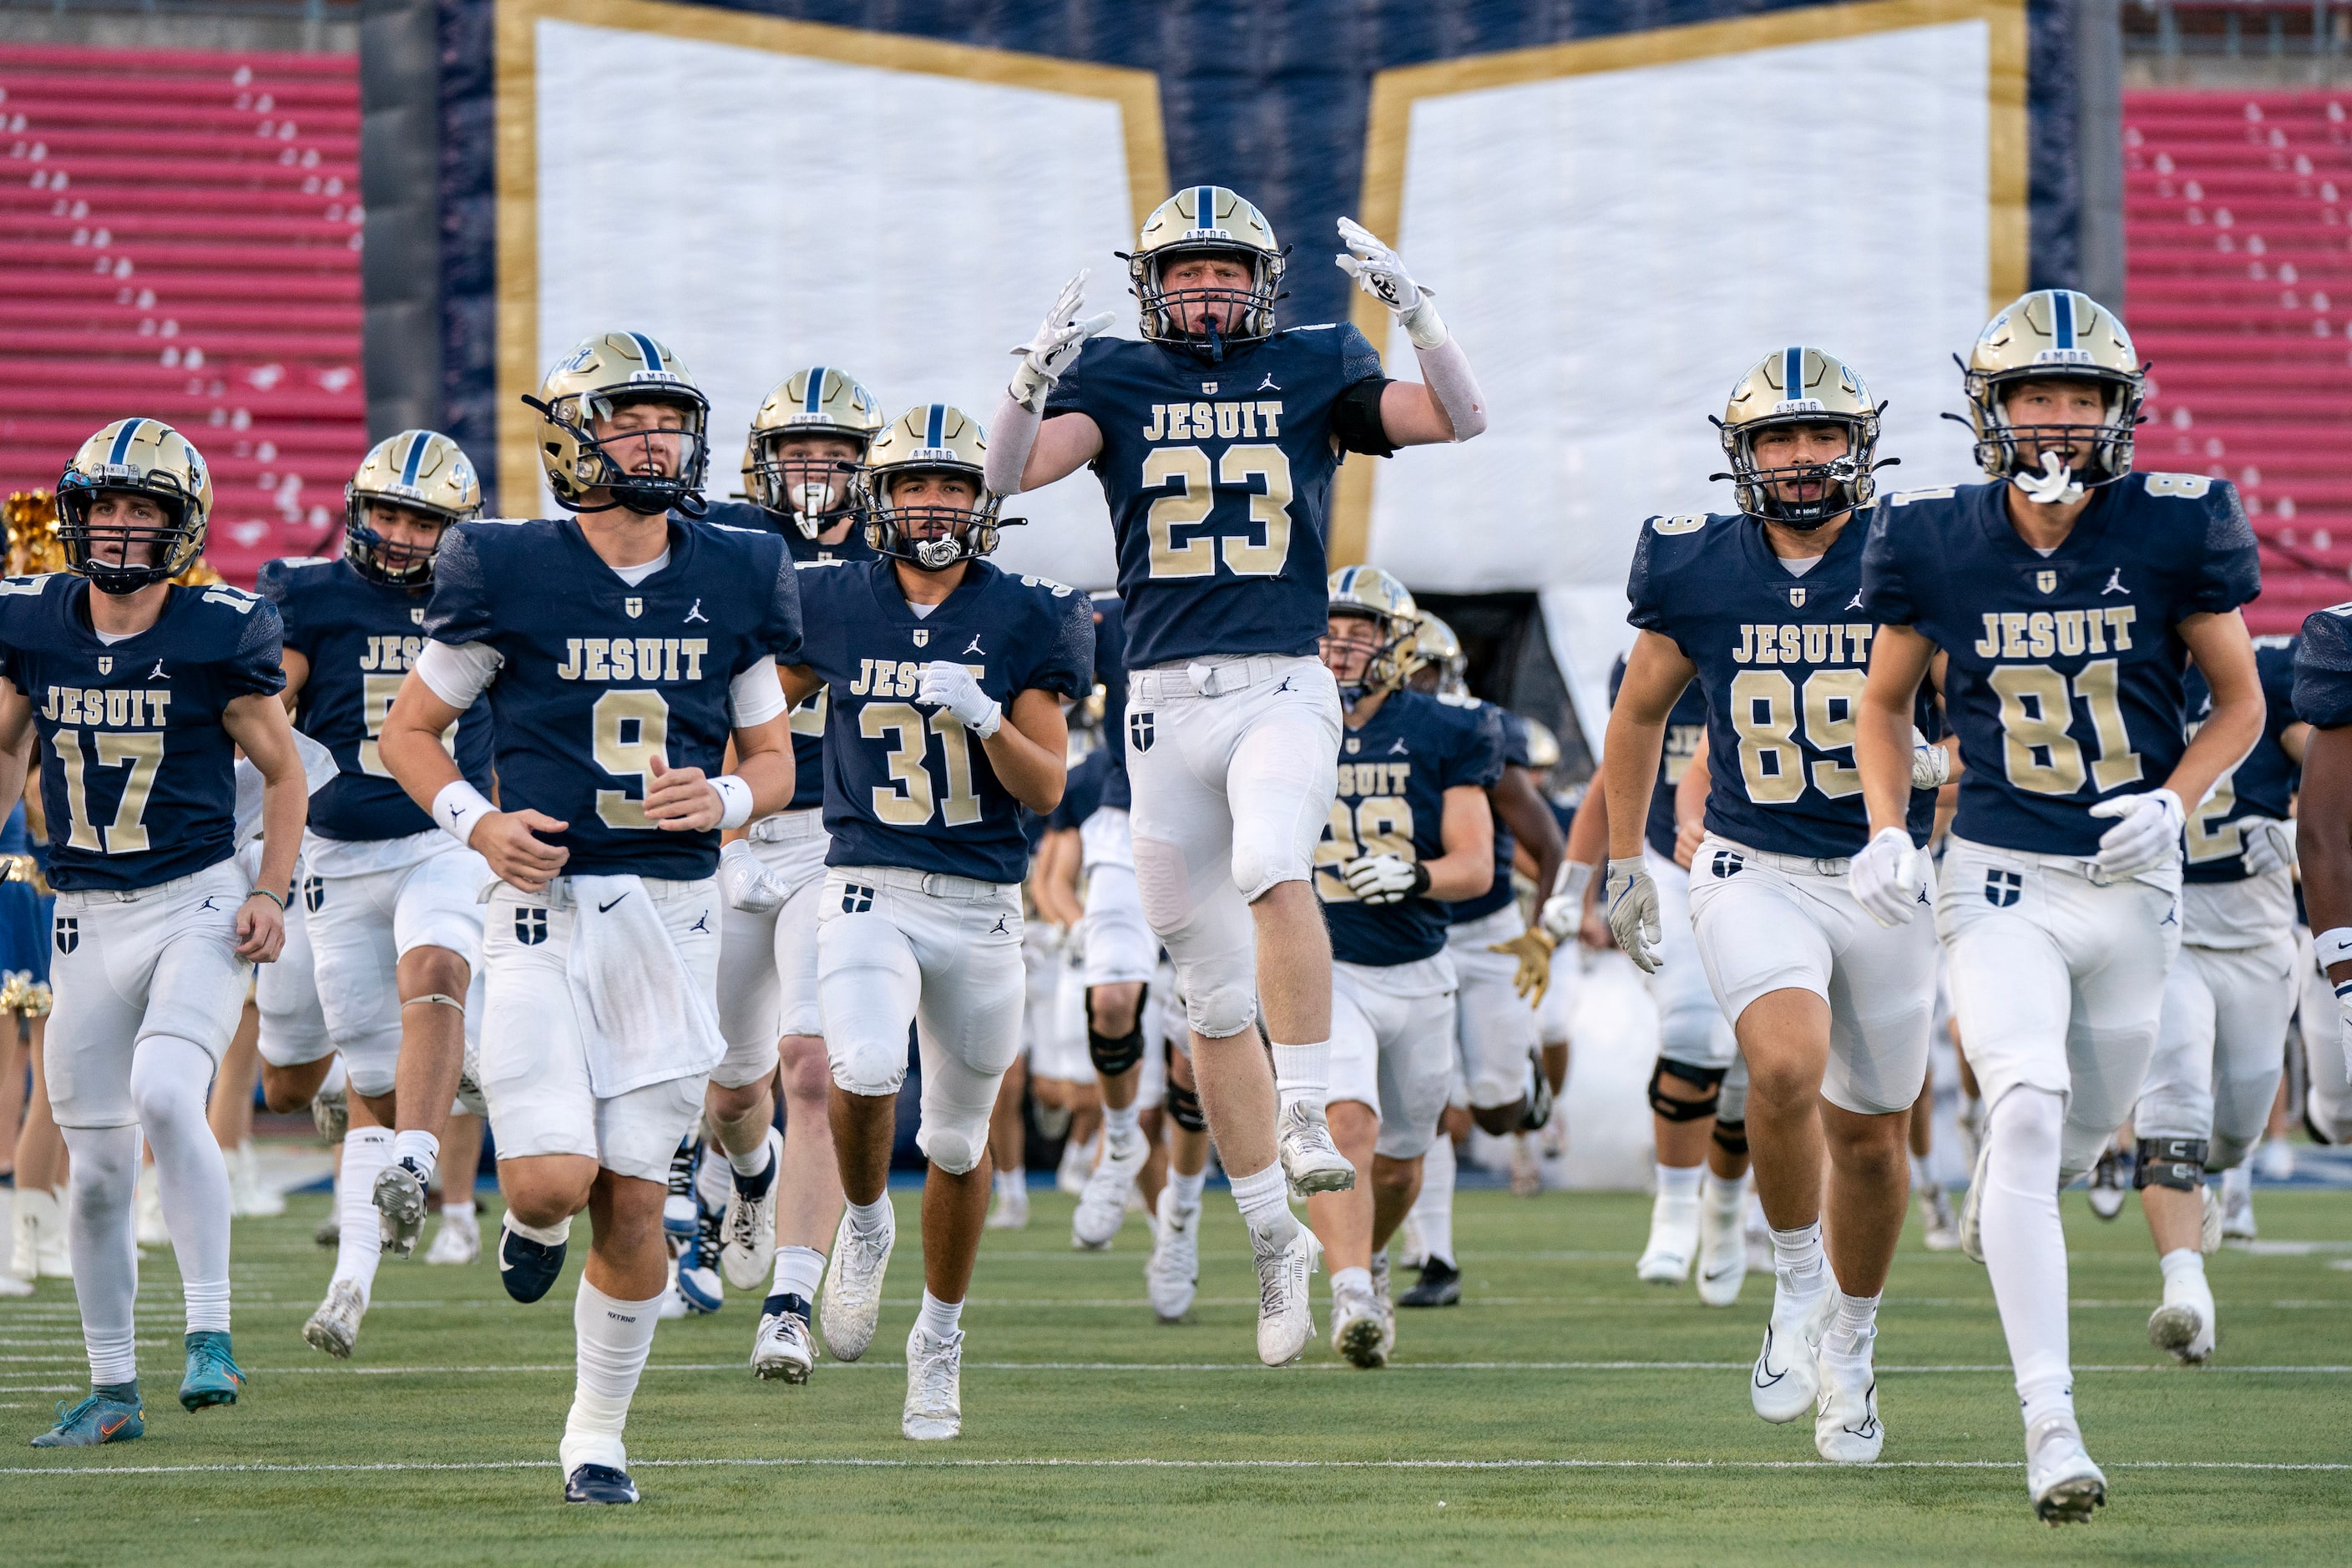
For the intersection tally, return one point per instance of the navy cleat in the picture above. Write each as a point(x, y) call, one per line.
point(527, 1268)
point(599, 1484)
point(681, 1213)
point(110, 1415)
point(214, 1376)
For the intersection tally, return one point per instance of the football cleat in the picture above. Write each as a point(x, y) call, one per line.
point(747, 1252)
point(1356, 1328)
point(1285, 1315)
point(1539, 1096)
point(330, 1113)
point(2184, 1324)
point(1972, 1206)
point(672, 1302)
point(782, 1351)
point(334, 1328)
point(459, 1239)
point(527, 1268)
point(1439, 1286)
point(681, 1215)
point(1172, 1273)
point(1941, 1225)
point(934, 1410)
point(1102, 1206)
point(1010, 1210)
point(599, 1484)
point(2108, 1185)
point(400, 1206)
point(2059, 1476)
point(1722, 1250)
point(697, 1269)
point(1309, 1159)
point(1385, 1295)
point(2238, 1204)
point(1673, 1241)
point(110, 1415)
point(1846, 1430)
point(214, 1376)
point(1787, 1379)
point(1077, 1163)
point(329, 1232)
point(2208, 1220)
point(852, 1286)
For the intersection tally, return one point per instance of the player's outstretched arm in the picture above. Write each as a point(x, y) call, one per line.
point(258, 725)
point(1446, 406)
point(1025, 450)
point(411, 748)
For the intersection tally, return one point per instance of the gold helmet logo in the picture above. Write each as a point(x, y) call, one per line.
point(1367, 593)
point(929, 439)
point(649, 469)
point(144, 457)
point(421, 471)
point(781, 474)
point(1435, 648)
point(1206, 221)
point(2054, 334)
point(1792, 386)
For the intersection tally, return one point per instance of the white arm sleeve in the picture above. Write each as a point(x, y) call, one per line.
point(459, 672)
point(1012, 434)
point(756, 696)
point(1446, 371)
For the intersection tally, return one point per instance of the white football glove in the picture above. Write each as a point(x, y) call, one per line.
point(2265, 845)
point(1563, 912)
point(747, 884)
point(1931, 764)
point(1385, 878)
point(2146, 833)
point(1630, 901)
point(951, 687)
point(1380, 272)
point(1059, 339)
point(1886, 876)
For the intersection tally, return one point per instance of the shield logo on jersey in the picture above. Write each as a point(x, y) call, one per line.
point(314, 893)
point(416, 617)
point(1727, 864)
point(1138, 731)
point(1796, 598)
point(2047, 582)
point(922, 638)
point(855, 900)
point(106, 664)
point(635, 606)
point(68, 932)
point(531, 927)
point(2003, 889)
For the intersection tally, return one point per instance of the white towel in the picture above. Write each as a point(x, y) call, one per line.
point(319, 771)
point(642, 1017)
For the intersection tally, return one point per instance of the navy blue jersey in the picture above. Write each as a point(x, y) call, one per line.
point(2322, 669)
point(2063, 679)
point(1110, 674)
point(1082, 794)
point(2264, 784)
point(1782, 660)
point(137, 773)
point(1394, 775)
point(1685, 728)
point(808, 718)
point(905, 785)
point(360, 638)
point(1511, 738)
point(600, 678)
point(1219, 482)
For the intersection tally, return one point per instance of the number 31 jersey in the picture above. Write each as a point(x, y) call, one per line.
point(137, 774)
point(2065, 676)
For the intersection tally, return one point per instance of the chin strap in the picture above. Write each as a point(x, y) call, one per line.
point(2054, 486)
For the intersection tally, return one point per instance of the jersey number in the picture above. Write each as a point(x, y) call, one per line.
point(1188, 507)
point(631, 728)
point(2210, 836)
point(376, 694)
point(2037, 708)
point(142, 750)
point(1376, 824)
point(908, 799)
point(1764, 712)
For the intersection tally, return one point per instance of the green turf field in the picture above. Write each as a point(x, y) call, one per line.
point(1561, 1413)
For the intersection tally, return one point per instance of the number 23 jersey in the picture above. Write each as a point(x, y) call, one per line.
point(137, 774)
point(2065, 676)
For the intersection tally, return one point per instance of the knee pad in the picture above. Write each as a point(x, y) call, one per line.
point(1731, 1136)
point(1672, 1110)
point(950, 1150)
point(1184, 1105)
point(1115, 1054)
point(869, 1073)
point(2170, 1162)
point(1219, 1012)
point(2227, 1153)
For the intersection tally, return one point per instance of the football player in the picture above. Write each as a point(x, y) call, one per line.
point(142, 693)
point(944, 678)
point(1216, 438)
point(2227, 1002)
point(2066, 597)
point(621, 652)
point(1831, 1010)
point(2323, 700)
point(390, 902)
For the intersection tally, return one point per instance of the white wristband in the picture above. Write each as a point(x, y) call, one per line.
point(2332, 946)
point(734, 800)
point(460, 809)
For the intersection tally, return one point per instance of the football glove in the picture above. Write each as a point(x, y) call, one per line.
point(2266, 844)
point(951, 687)
point(1385, 878)
point(1533, 950)
point(1931, 764)
point(747, 884)
point(1886, 876)
point(1563, 912)
point(1059, 340)
point(2146, 833)
point(1629, 899)
point(1380, 272)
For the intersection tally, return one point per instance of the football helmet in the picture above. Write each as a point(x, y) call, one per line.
point(822, 400)
point(1206, 220)
point(147, 457)
point(604, 373)
point(930, 437)
point(1543, 746)
point(1372, 595)
point(421, 471)
point(1798, 385)
point(1434, 647)
point(2053, 334)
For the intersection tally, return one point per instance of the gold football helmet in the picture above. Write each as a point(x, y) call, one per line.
point(32, 521)
point(1798, 385)
point(2053, 334)
point(815, 493)
point(648, 472)
point(1435, 648)
point(423, 471)
point(1206, 220)
point(1543, 746)
point(1370, 593)
point(929, 439)
point(145, 457)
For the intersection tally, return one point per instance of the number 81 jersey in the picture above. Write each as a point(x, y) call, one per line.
point(2065, 670)
point(137, 773)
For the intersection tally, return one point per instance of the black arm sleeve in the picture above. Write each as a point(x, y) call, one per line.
point(1356, 418)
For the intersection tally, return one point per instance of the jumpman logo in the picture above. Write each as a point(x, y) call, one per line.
point(157, 673)
point(701, 924)
point(975, 647)
point(999, 928)
point(1857, 604)
point(1267, 384)
point(695, 613)
point(209, 904)
point(2114, 583)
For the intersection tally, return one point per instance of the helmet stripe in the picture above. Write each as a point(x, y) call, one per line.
point(651, 350)
point(814, 401)
point(1792, 372)
point(416, 444)
point(2062, 317)
point(123, 439)
point(935, 431)
point(1205, 208)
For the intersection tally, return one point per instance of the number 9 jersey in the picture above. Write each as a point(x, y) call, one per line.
point(137, 773)
point(2064, 677)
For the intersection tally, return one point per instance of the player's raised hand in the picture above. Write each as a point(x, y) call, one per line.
point(1058, 340)
point(953, 687)
point(681, 800)
point(1378, 270)
point(510, 841)
point(260, 927)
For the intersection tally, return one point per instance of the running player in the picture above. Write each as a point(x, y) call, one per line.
point(2323, 700)
point(2066, 597)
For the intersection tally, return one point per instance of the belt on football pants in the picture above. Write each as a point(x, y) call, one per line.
point(935, 884)
point(788, 826)
point(1795, 865)
point(1200, 678)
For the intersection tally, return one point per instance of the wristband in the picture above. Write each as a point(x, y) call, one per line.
point(266, 893)
point(2332, 946)
point(1574, 877)
point(988, 727)
point(734, 800)
point(460, 808)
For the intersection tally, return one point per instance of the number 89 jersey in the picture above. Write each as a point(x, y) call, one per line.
point(1781, 661)
point(137, 774)
point(2064, 675)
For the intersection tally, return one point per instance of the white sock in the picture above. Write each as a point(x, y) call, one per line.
point(613, 1337)
point(1342, 1279)
point(366, 1151)
point(1124, 1128)
point(1855, 1325)
point(1301, 1073)
point(105, 1174)
point(870, 1219)
point(1432, 1211)
point(1722, 1197)
point(714, 1179)
point(937, 1318)
point(169, 1079)
point(751, 1163)
point(421, 1149)
point(1007, 1182)
point(2025, 1248)
point(554, 1235)
point(798, 1271)
point(2180, 1261)
point(460, 1209)
point(1264, 1198)
point(1188, 1189)
point(1798, 1253)
point(1680, 1183)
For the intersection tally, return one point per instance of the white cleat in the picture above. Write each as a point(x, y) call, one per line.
point(781, 1351)
point(2275, 1159)
point(399, 1207)
point(459, 1241)
point(2059, 1476)
point(1846, 1428)
point(1383, 1294)
point(1077, 1163)
point(747, 1254)
point(2184, 1324)
point(1011, 1210)
point(2209, 1225)
point(1722, 1248)
point(934, 1385)
point(1356, 1328)
point(2238, 1204)
point(853, 1287)
point(1172, 1273)
point(335, 1326)
point(673, 1302)
point(1673, 1241)
point(330, 1113)
point(1787, 1380)
point(39, 1252)
point(1285, 1315)
point(1936, 1217)
point(2108, 1188)
point(1972, 1207)
point(250, 1197)
point(1102, 1207)
point(1309, 1159)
